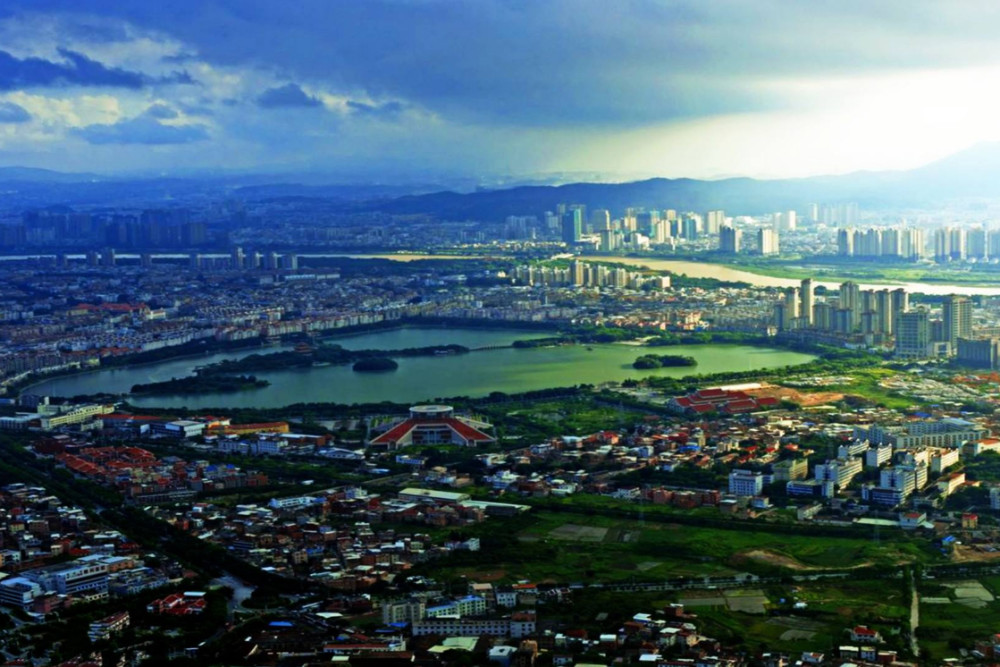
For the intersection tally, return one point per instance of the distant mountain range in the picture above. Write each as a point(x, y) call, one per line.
point(968, 175)
point(971, 174)
point(33, 175)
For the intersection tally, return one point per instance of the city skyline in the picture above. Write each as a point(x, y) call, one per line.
point(397, 89)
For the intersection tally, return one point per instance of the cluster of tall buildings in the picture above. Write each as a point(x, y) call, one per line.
point(925, 337)
point(153, 228)
point(239, 260)
point(900, 242)
point(236, 260)
point(851, 311)
point(639, 226)
point(884, 316)
point(731, 237)
point(731, 241)
point(844, 213)
point(586, 274)
point(960, 243)
point(947, 244)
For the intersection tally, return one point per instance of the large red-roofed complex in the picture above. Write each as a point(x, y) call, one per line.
point(721, 400)
point(434, 425)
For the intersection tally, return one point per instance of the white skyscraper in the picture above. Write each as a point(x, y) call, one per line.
point(767, 241)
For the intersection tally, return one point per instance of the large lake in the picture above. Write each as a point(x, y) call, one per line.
point(418, 379)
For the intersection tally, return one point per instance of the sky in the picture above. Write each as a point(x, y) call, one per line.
point(409, 89)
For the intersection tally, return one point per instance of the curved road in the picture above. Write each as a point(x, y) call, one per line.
point(914, 616)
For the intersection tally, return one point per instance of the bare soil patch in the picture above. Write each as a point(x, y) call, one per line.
point(771, 558)
point(781, 560)
point(806, 399)
point(966, 553)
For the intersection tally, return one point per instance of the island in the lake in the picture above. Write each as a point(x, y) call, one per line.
point(201, 384)
point(374, 365)
point(648, 361)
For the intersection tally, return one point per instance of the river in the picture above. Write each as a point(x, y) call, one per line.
point(509, 370)
point(395, 257)
point(728, 273)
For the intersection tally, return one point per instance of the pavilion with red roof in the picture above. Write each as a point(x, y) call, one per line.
point(433, 425)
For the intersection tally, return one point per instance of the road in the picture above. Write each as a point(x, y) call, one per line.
point(241, 591)
point(914, 616)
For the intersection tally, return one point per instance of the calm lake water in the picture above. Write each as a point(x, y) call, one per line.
point(426, 378)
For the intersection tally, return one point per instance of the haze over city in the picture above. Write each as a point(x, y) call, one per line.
point(387, 90)
point(499, 333)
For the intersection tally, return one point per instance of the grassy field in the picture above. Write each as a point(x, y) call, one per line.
point(607, 549)
point(968, 615)
point(822, 625)
point(865, 383)
point(564, 547)
point(577, 416)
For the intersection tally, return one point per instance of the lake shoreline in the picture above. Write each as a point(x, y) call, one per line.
point(501, 368)
point(239, 350)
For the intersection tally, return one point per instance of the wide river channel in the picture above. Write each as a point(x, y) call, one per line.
point(478, 373)
point(729, 273)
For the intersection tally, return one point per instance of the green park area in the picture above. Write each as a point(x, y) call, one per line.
point(567, 547)
point(864, 384)
point(807, 617)
point(956, 613)
point(534, 421)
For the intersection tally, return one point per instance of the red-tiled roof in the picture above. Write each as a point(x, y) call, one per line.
point(463, 430)
point(124, 417)
point(466, 431)
point(706, 393)
point(396, 432)
point(741, 406)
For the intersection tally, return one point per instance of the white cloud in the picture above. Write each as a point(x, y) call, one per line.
point(69, 111)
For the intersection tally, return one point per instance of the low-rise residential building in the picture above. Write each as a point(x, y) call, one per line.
point(110, 625)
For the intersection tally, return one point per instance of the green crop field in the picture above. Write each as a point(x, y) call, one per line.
point(831, 609)
point(594, 548)
point(972, 612)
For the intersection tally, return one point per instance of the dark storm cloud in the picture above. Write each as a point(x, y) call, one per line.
point(77, 70)
point(289, 95)
point(568, 62)
point(13, 113)
point(502, 82)
point(145, 128)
